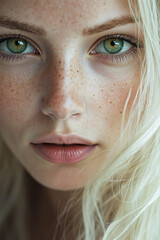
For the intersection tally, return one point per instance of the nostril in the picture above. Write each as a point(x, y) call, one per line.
point(63, 110)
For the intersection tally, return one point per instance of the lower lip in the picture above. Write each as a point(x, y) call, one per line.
point(63, 154)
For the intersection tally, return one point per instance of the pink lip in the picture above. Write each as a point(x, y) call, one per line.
point(63, 149)
point(63, 154)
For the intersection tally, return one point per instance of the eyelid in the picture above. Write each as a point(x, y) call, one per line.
point(28, 40)
point(127, 38)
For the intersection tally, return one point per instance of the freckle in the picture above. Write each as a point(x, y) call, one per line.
point(120, 112)
point(110, 102)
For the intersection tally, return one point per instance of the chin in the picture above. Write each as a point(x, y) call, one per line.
point(61, 185)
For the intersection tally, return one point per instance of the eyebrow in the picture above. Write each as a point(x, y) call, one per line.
point(108, 25)
point(14, 24)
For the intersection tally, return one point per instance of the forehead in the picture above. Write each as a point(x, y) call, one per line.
point(64, 14)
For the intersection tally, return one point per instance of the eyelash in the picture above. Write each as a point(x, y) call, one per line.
point(104, 57)
point(119, 57)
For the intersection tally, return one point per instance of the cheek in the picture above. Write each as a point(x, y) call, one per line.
point(113, 98)
point(17, 89)
point(109, 110)
point(15, 99)
point(115, 85)
point(118, 96)
point(110, 100)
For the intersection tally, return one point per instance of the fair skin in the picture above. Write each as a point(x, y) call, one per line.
point(85, 93)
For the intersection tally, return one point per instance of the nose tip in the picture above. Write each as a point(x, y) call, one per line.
point(62, 108)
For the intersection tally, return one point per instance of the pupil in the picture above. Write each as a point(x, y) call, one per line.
point(113, 43)
point(18, 43)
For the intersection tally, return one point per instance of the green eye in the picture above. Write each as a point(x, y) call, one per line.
point(16, 45)
point(113, 45)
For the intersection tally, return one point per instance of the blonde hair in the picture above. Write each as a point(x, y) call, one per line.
point(122, 201)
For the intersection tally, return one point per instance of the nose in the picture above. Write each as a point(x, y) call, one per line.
point(62, 106)
point(62, 100)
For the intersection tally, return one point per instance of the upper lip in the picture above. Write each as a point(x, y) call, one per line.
point(63, 139)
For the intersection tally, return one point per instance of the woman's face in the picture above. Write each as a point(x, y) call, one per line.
point(70, 73)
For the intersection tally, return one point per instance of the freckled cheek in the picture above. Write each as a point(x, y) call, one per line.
point(111, 106)
point(108, 109)
point(15, 99)
point(111, 100)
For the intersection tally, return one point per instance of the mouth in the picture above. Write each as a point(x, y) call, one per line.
point(63, 153)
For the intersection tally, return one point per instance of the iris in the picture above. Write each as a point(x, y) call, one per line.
point(16, 45)
point(113, 45)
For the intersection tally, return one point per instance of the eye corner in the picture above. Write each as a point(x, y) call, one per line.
point(37, 52)
point(91, 51)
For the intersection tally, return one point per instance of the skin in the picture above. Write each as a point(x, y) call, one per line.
point(79, 89)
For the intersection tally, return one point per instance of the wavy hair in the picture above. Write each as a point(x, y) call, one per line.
point(122, 201)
